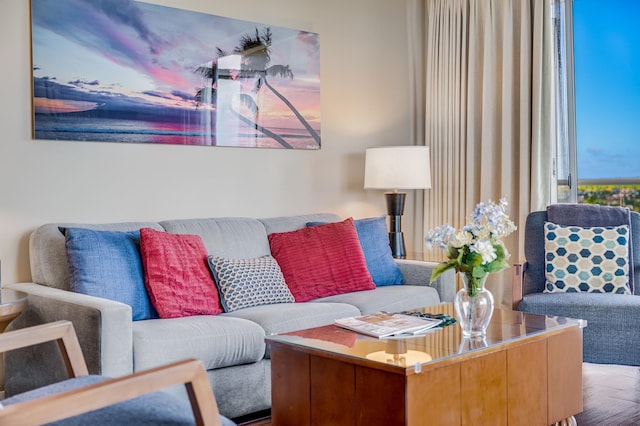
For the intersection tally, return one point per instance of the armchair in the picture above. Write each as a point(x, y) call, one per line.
point(612, 334)
point(88, 399)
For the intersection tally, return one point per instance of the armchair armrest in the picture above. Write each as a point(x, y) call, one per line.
point(417, 272)
point(103, 327)
point(518, 281)
point(62, 405)
point(55, 407)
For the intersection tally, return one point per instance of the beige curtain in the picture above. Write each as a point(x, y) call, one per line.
point(488, 112)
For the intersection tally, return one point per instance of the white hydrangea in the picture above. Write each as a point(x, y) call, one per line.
point(485, 249)
point(462, 238)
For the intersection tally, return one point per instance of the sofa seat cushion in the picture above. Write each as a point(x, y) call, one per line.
point(286, 317)
point(612, 332)
point(217, 341)
point(388, 298)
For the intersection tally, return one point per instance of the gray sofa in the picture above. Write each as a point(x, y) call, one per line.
point(231, 345)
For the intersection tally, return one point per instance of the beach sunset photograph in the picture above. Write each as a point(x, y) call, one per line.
point(133, 72)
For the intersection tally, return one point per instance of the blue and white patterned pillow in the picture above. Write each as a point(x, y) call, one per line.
point(249, 282)
point(586, 259)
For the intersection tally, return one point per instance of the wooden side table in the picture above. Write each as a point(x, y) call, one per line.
point(12, 304)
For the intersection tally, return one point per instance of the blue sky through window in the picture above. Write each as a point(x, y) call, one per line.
point(607, 80)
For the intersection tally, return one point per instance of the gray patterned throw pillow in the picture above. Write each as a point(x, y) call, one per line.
point(586, 259)
point(249, 282)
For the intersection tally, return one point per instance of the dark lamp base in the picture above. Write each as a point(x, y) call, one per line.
point(396, 241)
point(395, 209)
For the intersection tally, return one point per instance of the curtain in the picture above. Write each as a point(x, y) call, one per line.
point(489, 113)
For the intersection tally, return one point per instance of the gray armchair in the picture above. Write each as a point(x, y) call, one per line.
point(85, 399)
point(612, 335)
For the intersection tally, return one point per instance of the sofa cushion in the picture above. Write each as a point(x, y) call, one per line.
point(107, 264)
point(218, 341)
point(388, 298)
point(287, 317)
point(230, 237)
point(177, 275)
point(374, 240)
point(249, 282)
point(321, 260)
point(586, 259)
point(293, 223)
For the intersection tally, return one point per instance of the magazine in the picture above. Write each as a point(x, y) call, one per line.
point(384, 324)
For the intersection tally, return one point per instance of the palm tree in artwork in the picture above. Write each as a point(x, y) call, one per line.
point(255, 53)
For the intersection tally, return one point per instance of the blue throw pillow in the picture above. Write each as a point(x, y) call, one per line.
point(107, 264)
point(374, 239)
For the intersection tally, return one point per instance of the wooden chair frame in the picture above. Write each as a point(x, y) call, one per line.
point(189, 372)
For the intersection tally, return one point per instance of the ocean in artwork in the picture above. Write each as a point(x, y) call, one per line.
point(158, 132)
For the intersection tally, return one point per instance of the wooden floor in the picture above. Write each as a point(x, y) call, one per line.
point(611, 397)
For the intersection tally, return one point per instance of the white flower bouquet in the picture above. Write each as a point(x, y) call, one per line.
point(477, 249)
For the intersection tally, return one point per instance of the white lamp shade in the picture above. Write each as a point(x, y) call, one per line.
point(397, 167)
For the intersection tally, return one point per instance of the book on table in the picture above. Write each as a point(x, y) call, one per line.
point(384, 324)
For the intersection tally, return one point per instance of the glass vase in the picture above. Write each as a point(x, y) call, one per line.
point(474, 306)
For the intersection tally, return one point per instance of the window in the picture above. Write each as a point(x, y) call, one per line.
point(598, 159)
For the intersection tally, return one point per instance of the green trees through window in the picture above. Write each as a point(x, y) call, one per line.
point(607, 84)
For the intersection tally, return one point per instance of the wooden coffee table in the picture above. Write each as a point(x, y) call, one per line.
point(528, 370)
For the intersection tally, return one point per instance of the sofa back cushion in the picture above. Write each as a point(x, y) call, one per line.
point(231, 237)
point(293, 223)
point(48, 255)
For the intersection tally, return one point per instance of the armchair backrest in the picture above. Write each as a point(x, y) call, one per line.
point(534, 273)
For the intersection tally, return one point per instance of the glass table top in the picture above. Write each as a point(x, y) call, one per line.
point(438, 345)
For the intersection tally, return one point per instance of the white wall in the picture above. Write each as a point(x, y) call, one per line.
point(365, 102)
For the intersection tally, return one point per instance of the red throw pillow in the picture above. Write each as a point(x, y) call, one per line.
point(177, 275)
point(321, 261)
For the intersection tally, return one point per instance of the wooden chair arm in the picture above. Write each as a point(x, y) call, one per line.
point(518, 281)
point(70, 403)
point(60, 331)
point(59, 406)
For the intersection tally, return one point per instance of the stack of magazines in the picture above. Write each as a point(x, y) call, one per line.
point(384, 324)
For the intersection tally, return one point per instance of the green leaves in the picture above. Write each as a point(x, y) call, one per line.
point(465, 261)
point(441, 268)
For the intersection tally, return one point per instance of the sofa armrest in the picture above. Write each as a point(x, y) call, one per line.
point(103, 326)
point(417, 272)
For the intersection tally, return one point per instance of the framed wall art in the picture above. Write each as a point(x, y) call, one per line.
point(133, 72)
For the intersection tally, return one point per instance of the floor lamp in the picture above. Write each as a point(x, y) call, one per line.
point(395, 168)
